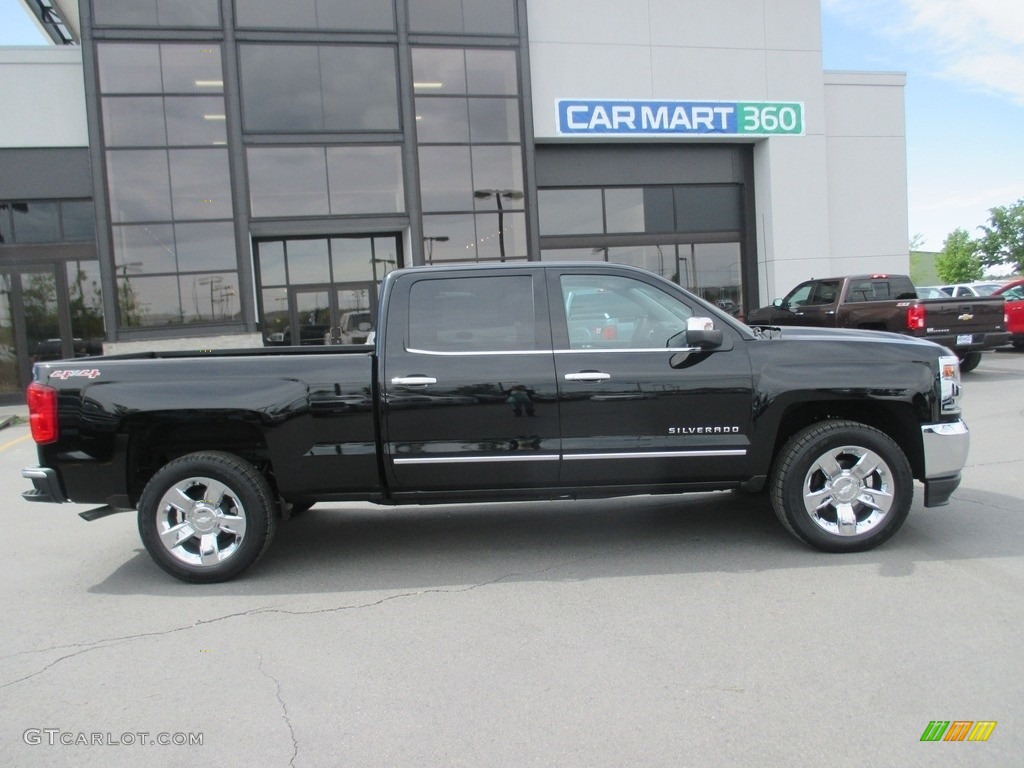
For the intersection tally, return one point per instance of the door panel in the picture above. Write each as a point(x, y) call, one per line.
point(628, 416)
point(468, 381)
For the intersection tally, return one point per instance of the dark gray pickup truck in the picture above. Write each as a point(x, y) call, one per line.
point(499, 383)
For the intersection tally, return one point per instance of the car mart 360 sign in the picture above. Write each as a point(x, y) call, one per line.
point(627, 117)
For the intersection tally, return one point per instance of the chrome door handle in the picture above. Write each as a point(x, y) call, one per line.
point(413, 381)
point(588, 376)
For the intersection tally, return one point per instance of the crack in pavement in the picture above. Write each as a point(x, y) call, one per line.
point(284, 709)
point(114, 641)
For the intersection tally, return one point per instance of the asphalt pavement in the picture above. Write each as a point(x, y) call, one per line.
point(653, 631)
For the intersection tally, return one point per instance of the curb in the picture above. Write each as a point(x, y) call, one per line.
point(6, 421)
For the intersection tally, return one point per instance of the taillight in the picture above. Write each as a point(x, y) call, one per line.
point(916, 317)
point(42, 412)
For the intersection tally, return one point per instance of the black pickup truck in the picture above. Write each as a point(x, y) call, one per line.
point(504, 382)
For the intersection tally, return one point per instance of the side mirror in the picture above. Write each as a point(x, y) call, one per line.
point(777, 303)
point(701, 333)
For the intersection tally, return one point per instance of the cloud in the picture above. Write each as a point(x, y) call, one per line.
point(979, 43)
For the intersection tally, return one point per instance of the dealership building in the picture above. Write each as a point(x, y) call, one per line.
point(196, 174)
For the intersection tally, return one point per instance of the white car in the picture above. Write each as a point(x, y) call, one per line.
point(984, 288)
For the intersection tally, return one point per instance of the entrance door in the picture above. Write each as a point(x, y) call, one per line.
point(32, 328)
point(333, 314)
point(324, 288)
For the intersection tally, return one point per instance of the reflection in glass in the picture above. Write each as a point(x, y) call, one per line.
point(450, 238)
point(501, 237)
point(480, 17)
point(360, 88)
point(156, 13)
point(192, 68)
point(205, 245)
point(364, 15)
point(494, 120)
point(85, 300)
point(299, 88)
point(139, 185)
point(365, 180)
point(624, 209)
point(133, 121)
point(498, 169)
point(275, 315)
point(147, 300)
point(491, 72)
point(209, 298)
point(129, 68)
point(271, 262)
point(200, 184)
point(442, 120)
point(570, 211)
point(37, 222)
point(287, 181)
point(39, 312)
point(8, 356)
point(6, 228)
point(439, 71)
point(195, 120)
point(352, 259)
point(446, 182)
point(307, 261)
point(144, 249)
point(658, 210)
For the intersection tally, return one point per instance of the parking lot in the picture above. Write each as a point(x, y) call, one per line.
point(654, 631)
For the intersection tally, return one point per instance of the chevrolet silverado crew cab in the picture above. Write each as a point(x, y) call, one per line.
point(499, 383)
point(967, 324)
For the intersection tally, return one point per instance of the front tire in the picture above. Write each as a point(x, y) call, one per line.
point(841, 486)
point(206, 517)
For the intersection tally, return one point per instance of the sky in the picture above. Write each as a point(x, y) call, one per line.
point(964, 62)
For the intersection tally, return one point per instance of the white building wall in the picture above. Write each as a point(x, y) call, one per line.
point(813, 192)
point(42, 93)
point(867, 179)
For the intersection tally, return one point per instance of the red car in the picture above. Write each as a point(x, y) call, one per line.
point(1014, 295)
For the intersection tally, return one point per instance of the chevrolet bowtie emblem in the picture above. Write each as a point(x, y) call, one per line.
point(966, 316)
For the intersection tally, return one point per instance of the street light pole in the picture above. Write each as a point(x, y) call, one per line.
point(430, 245)
point(497, 194)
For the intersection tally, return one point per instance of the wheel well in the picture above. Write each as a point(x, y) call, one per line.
point(900, 421)
point(154, 442)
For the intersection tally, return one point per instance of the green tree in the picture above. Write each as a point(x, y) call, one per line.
point(1003, 241)
point(958, 262)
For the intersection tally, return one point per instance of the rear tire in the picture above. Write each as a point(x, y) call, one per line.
point(206, 517)
point(969, 361)
point(842, 486)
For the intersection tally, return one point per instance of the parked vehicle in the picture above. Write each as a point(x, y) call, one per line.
point(481, 387)
point(982, 288)
point(1013, 295)
point(353, 328)
point(885, 302)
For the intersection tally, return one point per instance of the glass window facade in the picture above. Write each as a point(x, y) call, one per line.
point(316, 88)
point(348, 15)
point(468, 119)
point(471, 17)
point(46, 221)
point(157, 13)
point(169, 183)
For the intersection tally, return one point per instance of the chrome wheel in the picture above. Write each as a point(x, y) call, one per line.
point(201, 521)
point(206, 516)
point(848, 490)
point(841, 486)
